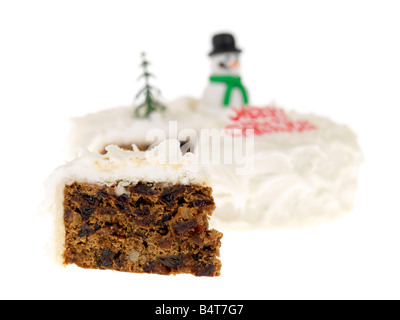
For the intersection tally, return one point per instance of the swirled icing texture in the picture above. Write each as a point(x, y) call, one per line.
point(298, 178)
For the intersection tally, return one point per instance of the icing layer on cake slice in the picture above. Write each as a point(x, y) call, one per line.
point(133, 211)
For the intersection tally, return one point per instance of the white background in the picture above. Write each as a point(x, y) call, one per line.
point(335, 58)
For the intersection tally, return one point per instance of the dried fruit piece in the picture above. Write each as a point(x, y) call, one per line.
point(145, 189)
point(183, 212)
point(107, 256)
point(183, 227)
point(86, 212)
point(171, 261)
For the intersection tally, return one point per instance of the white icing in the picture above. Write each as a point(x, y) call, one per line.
point(119, 126)
point(120, 188)
point(165, 164)
point(299, 178)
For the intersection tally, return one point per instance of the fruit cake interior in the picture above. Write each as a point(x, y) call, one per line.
point(149, 228)
point(133, 211)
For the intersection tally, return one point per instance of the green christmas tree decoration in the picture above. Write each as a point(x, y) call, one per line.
point(148, 92)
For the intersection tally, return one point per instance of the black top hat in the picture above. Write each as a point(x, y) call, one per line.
point(222, 43)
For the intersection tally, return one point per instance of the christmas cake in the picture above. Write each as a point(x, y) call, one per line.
point(133, 211)
point(269, 166)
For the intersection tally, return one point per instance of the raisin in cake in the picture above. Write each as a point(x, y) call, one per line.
point(133, 211)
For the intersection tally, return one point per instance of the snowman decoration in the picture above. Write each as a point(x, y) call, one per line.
point(225, 88)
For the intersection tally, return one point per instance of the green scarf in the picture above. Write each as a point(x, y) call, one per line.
point(231, 83)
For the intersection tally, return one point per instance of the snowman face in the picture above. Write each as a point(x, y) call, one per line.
point(225, 63)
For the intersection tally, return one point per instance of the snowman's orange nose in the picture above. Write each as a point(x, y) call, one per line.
point(235, 63)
